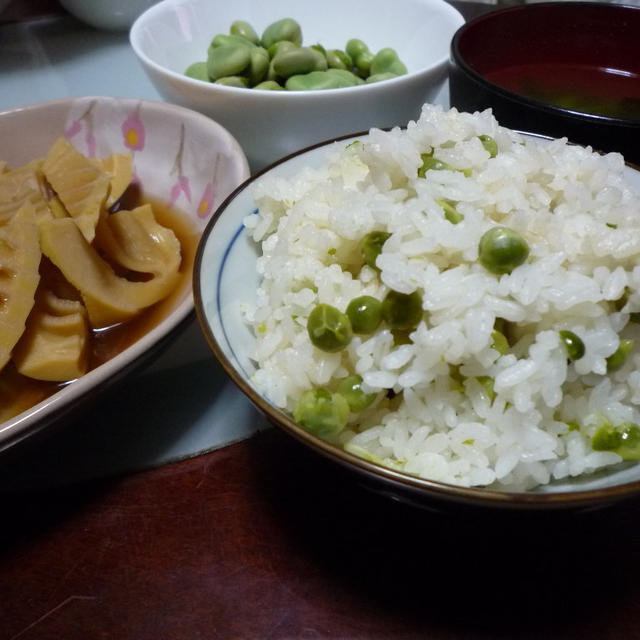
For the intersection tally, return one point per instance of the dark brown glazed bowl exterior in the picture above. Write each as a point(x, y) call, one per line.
point(597, 35)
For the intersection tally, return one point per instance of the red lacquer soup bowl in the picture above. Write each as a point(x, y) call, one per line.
point(558, 68)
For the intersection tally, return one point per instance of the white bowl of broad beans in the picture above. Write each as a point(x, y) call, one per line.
point(283, 75)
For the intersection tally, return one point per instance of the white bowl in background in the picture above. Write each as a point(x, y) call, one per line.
point(171, 35)
point(112, 15)
point(181, 158)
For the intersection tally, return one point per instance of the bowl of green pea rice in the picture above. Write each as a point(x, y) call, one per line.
point(450, 308)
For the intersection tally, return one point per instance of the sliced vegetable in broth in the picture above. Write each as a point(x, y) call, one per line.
point(96, 236)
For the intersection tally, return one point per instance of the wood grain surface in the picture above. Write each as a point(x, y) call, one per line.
point(263, 539)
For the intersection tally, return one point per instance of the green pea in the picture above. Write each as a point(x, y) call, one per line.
point(501, 250)
point(285, 29)
point(431, 163)
point(456, 379)
point(371, 246)
point(486, 382)
point(365, 314)
point(355, 47)
point(362, 63)
point(619, 304)
point(269, 85)
point(258, 65)
point(329, 329)
point(316, 81)
point(321, 412)
point(623, 439)
point(350, 389)
point(630, 447)
point(380, 77)
point(402, 336)
point(450, 212)
point(606, 438)
point(228, 60)
point(239, 82)
point(572, 343)
point(244, 30)
point(337, 59)
point(198, 71)
point(281, 46)
point(500, 342)
point(402, 311)
point(619, 356)
point(387, 61)
point(489, 144)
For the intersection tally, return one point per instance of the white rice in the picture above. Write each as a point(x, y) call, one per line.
point(582, 222)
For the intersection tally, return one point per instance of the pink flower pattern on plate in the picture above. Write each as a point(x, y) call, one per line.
point(181, 185)
point(133, 131)
point(206, 201)
point(205, 206)
point(85, 121)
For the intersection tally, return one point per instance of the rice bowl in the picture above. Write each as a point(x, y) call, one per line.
point(433, 415)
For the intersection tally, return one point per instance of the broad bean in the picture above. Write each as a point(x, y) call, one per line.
point(279, 47)
point(379, 77)
point(269, 85)
point(285, 29)
point(337, 59)
point(225, 39)
point(258, 65)
point(316, 80)
point(387, 61)
point(245, 30)
point(233, 81)
point(197, 71)
point(363, 63)
point(355, 47)
point(228, 60)
point(298, 61)
point(242, 58)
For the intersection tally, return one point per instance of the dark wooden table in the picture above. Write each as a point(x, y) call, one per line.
point(262, 539)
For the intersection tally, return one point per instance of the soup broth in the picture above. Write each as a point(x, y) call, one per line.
point(595, 90)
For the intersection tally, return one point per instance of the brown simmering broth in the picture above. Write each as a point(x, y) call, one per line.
point(18, 393)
